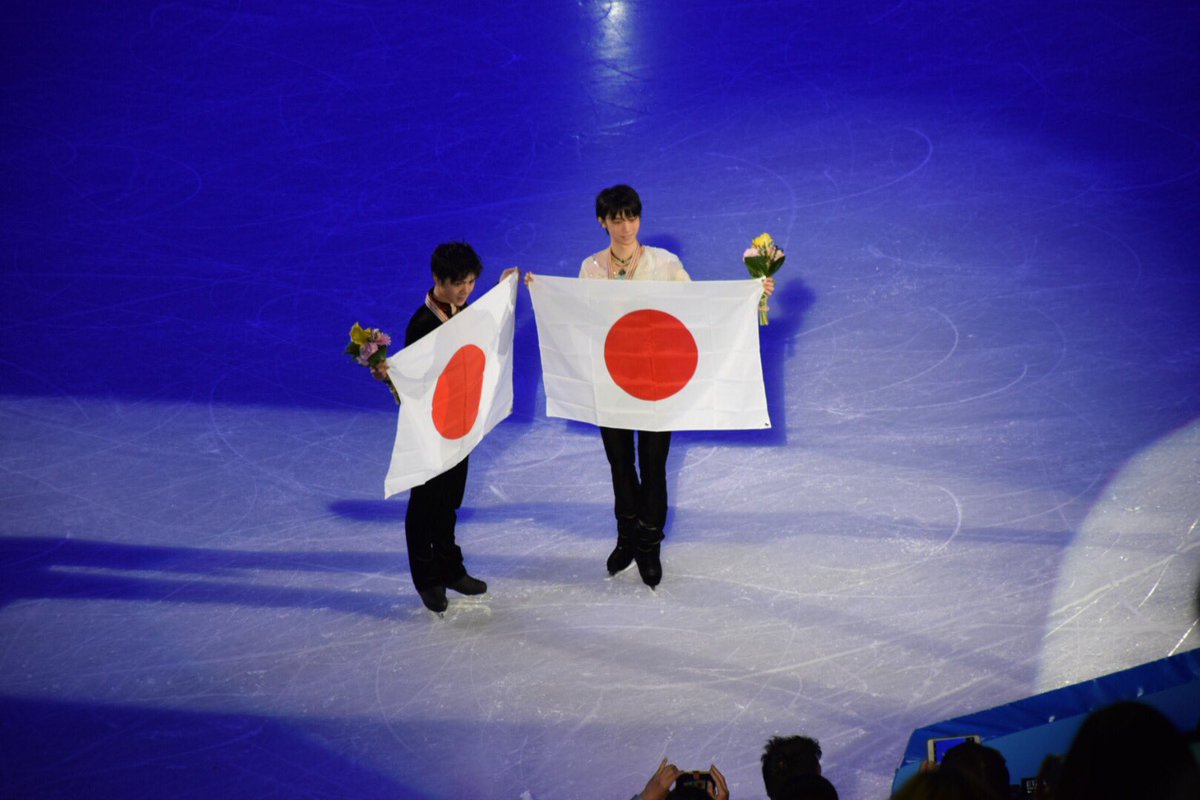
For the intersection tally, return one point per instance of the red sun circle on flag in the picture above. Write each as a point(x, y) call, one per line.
point(650, 354)
point(459, 388)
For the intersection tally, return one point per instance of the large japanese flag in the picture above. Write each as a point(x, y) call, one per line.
point(651, 355)
point(455, 384)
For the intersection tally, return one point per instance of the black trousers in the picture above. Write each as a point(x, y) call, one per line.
point(638, 491)
point(433, 557)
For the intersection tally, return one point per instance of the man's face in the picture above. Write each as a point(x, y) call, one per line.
point(454, 292)
point(623, 230)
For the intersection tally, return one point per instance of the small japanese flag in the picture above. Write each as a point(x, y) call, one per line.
point(455, 384)
point(651, 355)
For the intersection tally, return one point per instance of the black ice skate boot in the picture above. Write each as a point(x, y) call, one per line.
point(434, 598)
point(468, 585)
point(622, 555)
point(649, 540)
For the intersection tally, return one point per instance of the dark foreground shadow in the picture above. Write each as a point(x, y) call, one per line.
point(33, 567)
point(51, 749)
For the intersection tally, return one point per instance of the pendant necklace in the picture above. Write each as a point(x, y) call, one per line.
point(623, 264)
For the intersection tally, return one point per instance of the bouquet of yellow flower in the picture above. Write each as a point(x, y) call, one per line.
point(369, 346)
point(763, 258)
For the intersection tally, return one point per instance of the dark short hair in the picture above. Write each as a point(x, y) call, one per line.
point(1127, 749)
point(808, 787)
point(940, 784)
point(787, 757)
point(985, 765)
point(618, 201)
point(455, 261)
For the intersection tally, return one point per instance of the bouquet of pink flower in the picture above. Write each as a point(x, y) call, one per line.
point(369, 346)
point(763, 258)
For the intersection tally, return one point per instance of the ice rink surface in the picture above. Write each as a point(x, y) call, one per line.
point(983, 370)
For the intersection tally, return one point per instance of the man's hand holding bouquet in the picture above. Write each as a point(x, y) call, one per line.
point(763, 258)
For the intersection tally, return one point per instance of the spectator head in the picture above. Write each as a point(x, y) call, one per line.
point(1047, 777)
point(807, 787)
point(786, 758)
point(1125, 750)
point(940, 784)
point(984, 765)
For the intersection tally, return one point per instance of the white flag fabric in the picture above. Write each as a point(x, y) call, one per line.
point(455, 384)
point(651, 355)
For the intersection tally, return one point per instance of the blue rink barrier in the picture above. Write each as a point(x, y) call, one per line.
point(1027, 730)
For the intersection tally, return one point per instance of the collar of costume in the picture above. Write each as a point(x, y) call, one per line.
point(443, 311)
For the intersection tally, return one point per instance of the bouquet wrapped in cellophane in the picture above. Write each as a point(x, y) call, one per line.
point(369, 346)
point(763, 258)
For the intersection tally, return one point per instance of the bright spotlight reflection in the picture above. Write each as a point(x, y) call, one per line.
point(1127, 588)
point(614, 30)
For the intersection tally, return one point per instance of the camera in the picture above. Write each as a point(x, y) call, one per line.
point(936, 748)
point(701, 780)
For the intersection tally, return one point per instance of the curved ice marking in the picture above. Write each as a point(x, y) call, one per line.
point(959, 401)
point(696, 460)
point(749, 676)
point(958, 518)
point(791, 207)
point(953, 348)
point(390, 713)
point(1083, 491)
point(870, 573)
point(1091, 598)
point(1155, 184)
point(871, 190)
point(1062, 339)
point(830, 324)
point(138, 153)
point(1183, 638)
point(559, 443)
point(70, 146)
point(881, 17)
point(1133, 253)
point(1187, 548)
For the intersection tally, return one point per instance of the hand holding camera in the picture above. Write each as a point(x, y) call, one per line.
point(692, 784)
point(712, 783)
point(701, 780)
